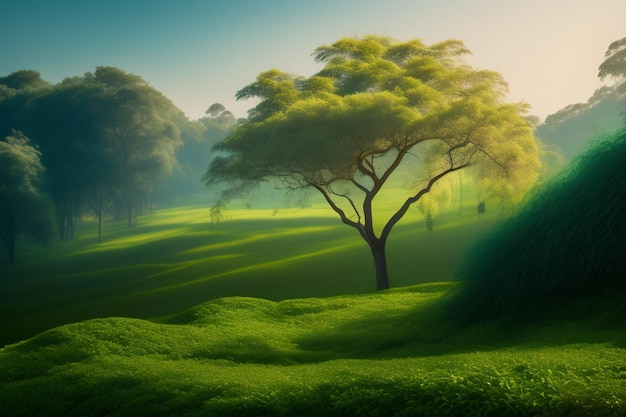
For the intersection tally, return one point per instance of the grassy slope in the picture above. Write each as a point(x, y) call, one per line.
point(567, 241)
point(382, 354)
point(176, 259)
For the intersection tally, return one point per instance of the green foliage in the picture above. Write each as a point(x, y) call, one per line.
point(615, 63)
point(106, 138)
point(567, 241)
point(23, 81)
point(378, 106)
point(193, 157)
point(383, 354)
point(24, 208)
point(217, 212)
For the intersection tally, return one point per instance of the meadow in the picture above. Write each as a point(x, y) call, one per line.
point(176, 258)
point(275, 314)
point(376, 354)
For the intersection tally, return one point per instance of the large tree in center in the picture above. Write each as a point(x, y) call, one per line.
point(380, 109)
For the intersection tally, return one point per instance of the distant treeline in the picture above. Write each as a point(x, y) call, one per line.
point(107, 144)
point(572, 127)
point(104, 144)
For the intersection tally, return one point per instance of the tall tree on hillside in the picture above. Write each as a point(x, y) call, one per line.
point(380, 109)
point(24, 209)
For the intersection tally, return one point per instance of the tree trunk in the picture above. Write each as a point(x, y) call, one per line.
point(460, 194)
point(99, 214)
point(380, 263)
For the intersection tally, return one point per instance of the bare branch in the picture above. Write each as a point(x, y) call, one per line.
point(359, 186)
point(347, 197)
point(409, 201)
point(336, 208)
point(493, 160)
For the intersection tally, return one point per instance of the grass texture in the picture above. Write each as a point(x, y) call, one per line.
point(176, 258)
point(567, 241)
point(381, 354)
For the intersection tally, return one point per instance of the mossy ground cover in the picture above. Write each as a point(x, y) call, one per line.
point(374, 354)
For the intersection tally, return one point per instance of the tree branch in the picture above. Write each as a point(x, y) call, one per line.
point(336, 208)
point(343, 195)
point(409, 201)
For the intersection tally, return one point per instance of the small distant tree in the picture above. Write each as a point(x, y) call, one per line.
point(217, 212)
point(380, 110)
point(24, 209)
point(614, 66)
point(430, 204)
point(481, 209)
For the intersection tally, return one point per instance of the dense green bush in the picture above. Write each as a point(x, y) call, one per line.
point(568, 240)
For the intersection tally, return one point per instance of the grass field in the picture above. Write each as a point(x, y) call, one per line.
point(176, 258)
point(238, 333)
point(378, 354)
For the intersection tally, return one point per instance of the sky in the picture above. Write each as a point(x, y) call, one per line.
point(199, 52)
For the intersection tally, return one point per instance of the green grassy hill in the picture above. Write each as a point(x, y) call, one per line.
point(261, 346)
point(381, 354)
point(567, 242)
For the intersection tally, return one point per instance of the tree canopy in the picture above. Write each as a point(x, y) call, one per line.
point(106, 138)
point(107, 133)
point(572, 127)
point(23, 205)
point(614, 65)
point(380, 107)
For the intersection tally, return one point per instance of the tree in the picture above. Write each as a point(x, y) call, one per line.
point(105, 136)
point(17, 91)
point(198, 137)
point(65, 124)
point(23, 80)
point(614, 65)
point(139, 133)
point(430, 203)
point(24, 208)
point(380, 110)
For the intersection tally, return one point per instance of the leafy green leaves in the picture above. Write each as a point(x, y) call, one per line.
point(24, 208)
point(374, 95)
point(348, 129)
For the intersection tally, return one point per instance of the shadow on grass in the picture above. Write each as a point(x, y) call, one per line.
point(427, 330)
point(163, 271)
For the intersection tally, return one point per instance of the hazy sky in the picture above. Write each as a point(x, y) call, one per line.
point(200, 52)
